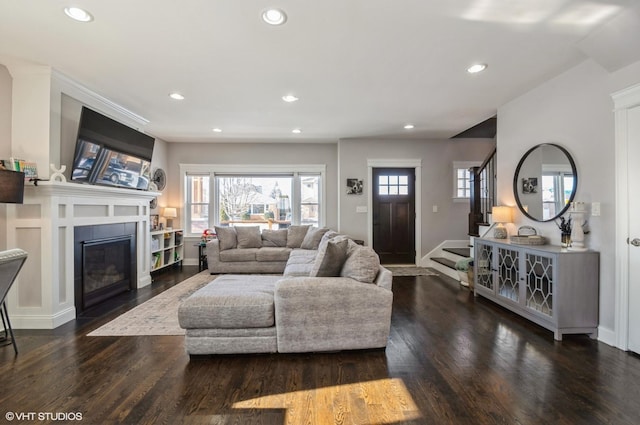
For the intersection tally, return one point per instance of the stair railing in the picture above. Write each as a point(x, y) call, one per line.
point(483, 193)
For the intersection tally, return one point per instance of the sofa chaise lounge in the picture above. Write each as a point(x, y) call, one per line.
point(342, 303)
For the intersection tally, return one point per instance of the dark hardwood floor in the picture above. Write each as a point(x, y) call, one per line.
point(451, 358)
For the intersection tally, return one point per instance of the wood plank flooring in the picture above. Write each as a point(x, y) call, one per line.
point(451, 359)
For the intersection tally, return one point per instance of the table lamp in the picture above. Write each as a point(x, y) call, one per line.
point(170, 214)
point(500, 215)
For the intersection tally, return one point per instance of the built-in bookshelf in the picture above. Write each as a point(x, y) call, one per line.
point(167, 248)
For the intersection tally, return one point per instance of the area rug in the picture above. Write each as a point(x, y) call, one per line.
point(411, 271)
point(159, 315)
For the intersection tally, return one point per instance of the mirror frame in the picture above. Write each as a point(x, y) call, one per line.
point(516, 179)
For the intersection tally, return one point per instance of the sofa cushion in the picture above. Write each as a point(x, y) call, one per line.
point(329, 261)
point(295, 235)
point(312, 238)
point(272, 253)
point(231, 302)
point(239, 254)
point(300, 262)
point(362, 263)
point(249, 236)
point(227, 237)
point(274, 237)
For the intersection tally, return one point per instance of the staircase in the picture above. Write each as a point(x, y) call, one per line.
point(444, 258)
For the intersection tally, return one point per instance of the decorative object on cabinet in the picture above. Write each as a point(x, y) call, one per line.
point(501, 215)
point(577, 212)
point(565, 231)
point(167, 248)
point(554, 172)
point(553, 287)
point(159, 179)
point(170, 213)
point(527, 235)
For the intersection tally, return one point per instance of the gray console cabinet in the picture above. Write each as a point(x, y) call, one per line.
point(549, 285)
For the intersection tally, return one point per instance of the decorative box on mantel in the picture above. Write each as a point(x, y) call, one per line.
point(43, 296)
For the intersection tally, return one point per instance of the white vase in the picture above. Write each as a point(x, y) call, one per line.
point(577, 234)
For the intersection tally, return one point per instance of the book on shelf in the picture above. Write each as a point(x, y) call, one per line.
point(29, 168)
point(155, 260)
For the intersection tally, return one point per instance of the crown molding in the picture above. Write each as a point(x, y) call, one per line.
point(95, 100)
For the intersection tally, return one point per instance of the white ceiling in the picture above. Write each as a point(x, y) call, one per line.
point(361, 68)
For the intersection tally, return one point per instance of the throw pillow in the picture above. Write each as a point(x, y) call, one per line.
point(329, 261)
point(362, 263)
point(249, 237)
point(227, 237)
point(312, 238)
point(295, 235)
point(274, 237)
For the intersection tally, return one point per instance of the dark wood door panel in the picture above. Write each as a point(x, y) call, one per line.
point(394, 214)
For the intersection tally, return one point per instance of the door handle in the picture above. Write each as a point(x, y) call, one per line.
point(635, 242)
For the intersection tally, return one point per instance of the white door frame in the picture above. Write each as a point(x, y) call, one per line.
point(416, 164)
point(623, 100)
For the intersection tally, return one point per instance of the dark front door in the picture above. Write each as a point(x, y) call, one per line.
point(394, 215)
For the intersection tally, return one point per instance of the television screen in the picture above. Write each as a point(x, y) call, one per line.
point(110, 153)
point(97, 165)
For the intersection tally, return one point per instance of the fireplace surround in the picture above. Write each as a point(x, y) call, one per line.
point(44, 296)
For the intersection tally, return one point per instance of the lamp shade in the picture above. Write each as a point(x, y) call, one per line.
point(170, 212)
point(501, 214)
point(11, 187)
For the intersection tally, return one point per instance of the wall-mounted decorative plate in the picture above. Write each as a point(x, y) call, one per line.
point(159, 178)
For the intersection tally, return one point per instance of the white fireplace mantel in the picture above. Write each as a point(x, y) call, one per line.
point(43, 295)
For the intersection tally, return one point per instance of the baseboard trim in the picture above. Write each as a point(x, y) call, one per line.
point(23, 321)
point(607, 336)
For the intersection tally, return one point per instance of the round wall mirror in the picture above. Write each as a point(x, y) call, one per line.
point(545, 182)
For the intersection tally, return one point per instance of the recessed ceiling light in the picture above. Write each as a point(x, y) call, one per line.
point(78, 14)
point(274, 17)
point(217, 130)
point(296, 131)
point(289, 98)
point(478, 67)
point(176, 96)
point(409, 126)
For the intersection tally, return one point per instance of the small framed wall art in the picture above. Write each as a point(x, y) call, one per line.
point(530, 185)
point(354, 187)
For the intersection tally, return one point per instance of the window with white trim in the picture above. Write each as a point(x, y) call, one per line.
point(462, 180)
point(269, 199)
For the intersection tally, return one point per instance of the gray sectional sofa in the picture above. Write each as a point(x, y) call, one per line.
point(247, 250)
point(335, 297)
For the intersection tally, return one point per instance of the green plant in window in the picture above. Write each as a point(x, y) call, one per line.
point(223, 215)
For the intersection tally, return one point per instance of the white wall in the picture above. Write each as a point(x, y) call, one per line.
point(246, 154)
point(450, 222)
point(573, 110)
point(5, 138)
point(254, 153)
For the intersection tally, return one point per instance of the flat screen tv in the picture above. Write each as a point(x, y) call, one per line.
point(110, 153)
